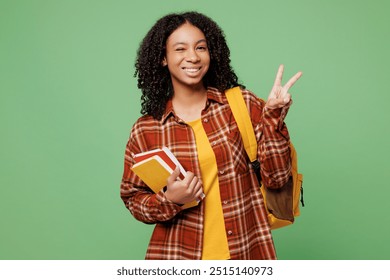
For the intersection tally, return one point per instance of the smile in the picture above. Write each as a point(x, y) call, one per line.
point(191, 70)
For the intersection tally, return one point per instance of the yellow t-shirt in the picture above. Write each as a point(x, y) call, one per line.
point(215, 245)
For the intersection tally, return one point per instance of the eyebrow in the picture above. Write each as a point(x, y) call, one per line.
point(200, 41)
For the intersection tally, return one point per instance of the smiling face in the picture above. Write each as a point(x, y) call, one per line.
point(187, 57)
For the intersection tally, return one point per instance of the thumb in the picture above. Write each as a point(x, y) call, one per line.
point(273, 103)
point(277, 103)
point(175, 174)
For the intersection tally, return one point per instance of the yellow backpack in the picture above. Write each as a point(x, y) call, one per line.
point(282, 204)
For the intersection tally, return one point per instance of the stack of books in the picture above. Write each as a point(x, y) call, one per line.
point(155, 166)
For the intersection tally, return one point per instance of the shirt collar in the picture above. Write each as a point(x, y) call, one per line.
point(213, 95)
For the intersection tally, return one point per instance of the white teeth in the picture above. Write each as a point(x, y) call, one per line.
point(191, 70)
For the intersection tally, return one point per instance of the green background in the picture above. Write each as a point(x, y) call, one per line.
point(68, 100)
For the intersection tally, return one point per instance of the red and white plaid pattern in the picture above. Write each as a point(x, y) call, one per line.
point(178, 233)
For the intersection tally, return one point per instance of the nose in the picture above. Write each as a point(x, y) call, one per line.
point(192, 56)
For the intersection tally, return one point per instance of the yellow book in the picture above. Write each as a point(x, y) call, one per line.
point(154, 172)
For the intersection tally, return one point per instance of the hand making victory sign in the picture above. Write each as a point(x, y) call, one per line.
point(279, 95)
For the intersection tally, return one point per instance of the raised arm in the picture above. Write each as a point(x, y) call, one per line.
point(274, 144)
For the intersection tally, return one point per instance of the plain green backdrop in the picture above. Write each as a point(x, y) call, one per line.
point(68, 99)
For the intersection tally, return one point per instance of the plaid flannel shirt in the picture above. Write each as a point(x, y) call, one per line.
point(178, 233)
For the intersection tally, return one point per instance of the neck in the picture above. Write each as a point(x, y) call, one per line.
point(189, 103)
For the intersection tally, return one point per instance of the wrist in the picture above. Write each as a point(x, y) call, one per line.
point(168, 197)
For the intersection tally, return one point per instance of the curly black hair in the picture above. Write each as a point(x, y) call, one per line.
point(154, 79)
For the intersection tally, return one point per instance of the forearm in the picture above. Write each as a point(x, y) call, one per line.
point(142, 202)
point(146, 206)
point(274, 148)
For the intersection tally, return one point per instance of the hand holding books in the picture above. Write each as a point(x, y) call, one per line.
point(159, 168)
point(183, 191)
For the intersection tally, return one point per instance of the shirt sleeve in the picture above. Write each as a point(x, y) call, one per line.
point(273, 143)
point(142, 202)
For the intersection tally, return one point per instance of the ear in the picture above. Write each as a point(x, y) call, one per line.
point(164, 62)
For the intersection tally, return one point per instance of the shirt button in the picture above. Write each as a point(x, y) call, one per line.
point(225, 202)
point(229, 232)
point(221, 172)
point(213, 143)
point(206, 120)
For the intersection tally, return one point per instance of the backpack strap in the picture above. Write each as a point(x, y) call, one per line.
point(241, 115)
point(244, 123)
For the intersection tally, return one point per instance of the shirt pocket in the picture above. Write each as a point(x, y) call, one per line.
point(237, 151)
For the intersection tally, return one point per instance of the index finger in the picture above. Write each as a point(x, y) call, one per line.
point(292, 81)
point(279, 76)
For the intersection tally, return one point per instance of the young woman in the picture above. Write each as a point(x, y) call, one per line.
point(183, 69)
